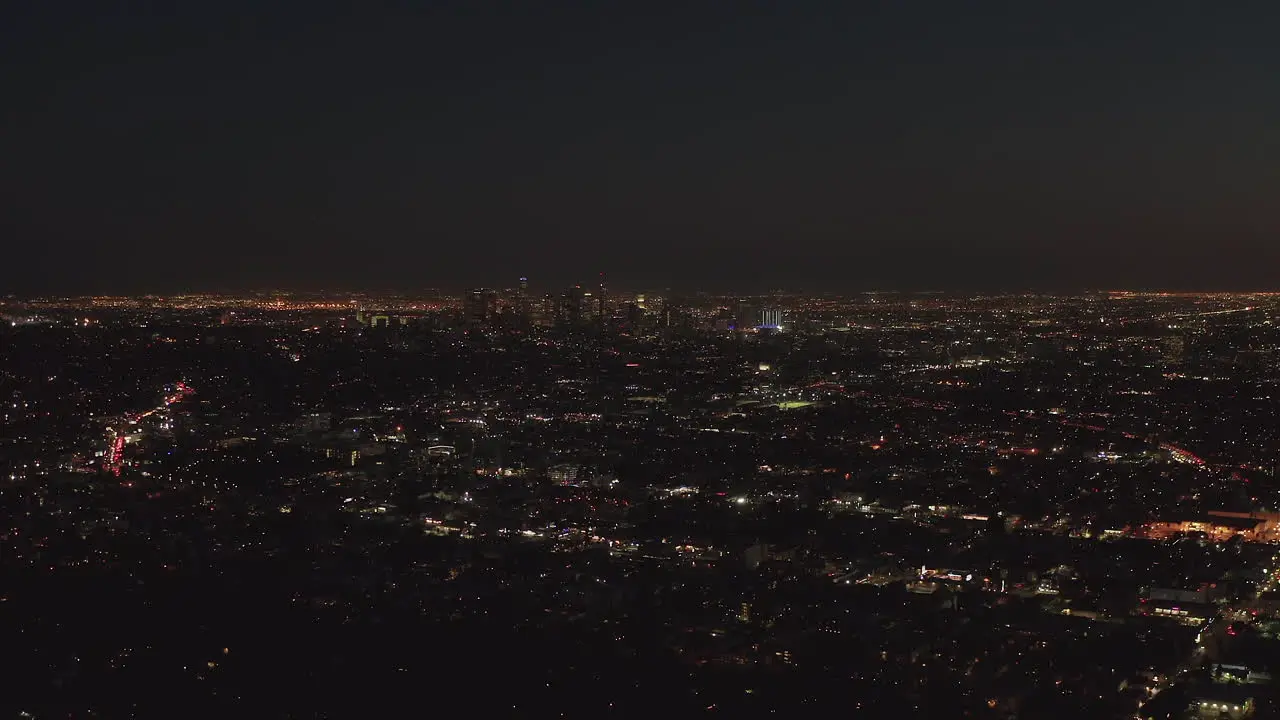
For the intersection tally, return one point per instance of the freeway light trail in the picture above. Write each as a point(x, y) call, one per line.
point(113, 460)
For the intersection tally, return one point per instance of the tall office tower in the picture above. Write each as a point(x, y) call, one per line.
point(479, 305)
point(634, 317)
point(571, 306)
point(548, 311)
point(523, 305)
point(745, 315)
point(671, 313)
point(771, 318)
point(600, 312)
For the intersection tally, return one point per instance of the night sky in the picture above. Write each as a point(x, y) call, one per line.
point(927, 144)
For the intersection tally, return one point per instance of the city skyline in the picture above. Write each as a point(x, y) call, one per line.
point(940, 505)
point(765, 359)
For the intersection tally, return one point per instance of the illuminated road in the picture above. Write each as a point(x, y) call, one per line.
point(113, 459)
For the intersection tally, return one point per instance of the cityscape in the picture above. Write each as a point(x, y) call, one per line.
point(589, 360)
point(539, 501)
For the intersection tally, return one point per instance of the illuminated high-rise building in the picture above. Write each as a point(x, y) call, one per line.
point(600, 301)
point(547, 311)
point(479, 305)
point(523, 305)
point(572, 306)
point(746, 316)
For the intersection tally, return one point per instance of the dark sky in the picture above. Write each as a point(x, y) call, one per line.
point(926, 144)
